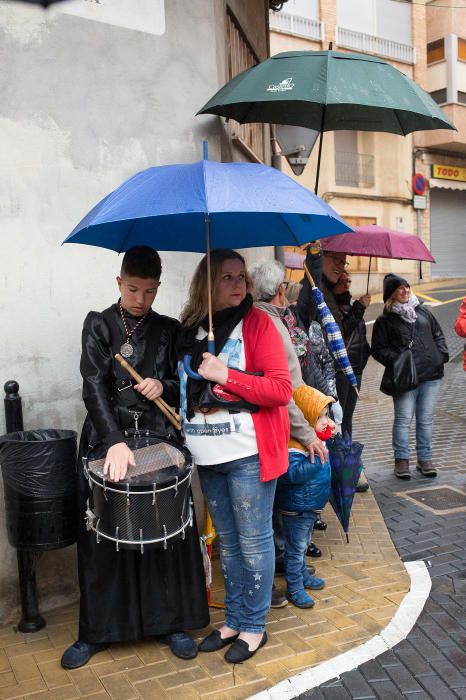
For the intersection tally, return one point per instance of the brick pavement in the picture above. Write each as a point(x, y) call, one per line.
point(431, 661)
point(365, 583)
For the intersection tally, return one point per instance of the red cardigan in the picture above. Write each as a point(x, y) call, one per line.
point(264, 352)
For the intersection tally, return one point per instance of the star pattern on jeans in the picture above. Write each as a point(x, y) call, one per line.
point(224, 566)
point(236, 508)
point(246, 504)
point(250, 592)
point(257, 586)
point(213, 504)
point(257, 577)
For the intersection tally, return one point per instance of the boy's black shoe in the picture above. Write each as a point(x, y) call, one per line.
point(320, 524)
point(313, 551)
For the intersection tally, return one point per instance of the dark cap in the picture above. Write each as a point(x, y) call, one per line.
point(391, 283)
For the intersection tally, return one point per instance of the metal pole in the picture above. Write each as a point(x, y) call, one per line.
point(279, 249)
point(419, 232)
point(30, 621)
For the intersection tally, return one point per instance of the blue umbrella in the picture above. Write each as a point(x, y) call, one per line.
point(193, 207)
point(346, 463)
point(247, 205)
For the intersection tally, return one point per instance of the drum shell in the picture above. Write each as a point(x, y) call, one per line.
point(147, 506)
point(141, 515)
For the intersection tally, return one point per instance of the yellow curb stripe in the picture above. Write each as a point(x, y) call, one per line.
point(450, 301)
point(427, 297)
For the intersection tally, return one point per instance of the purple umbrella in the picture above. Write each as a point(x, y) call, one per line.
point(378, 242)
point(294, 261)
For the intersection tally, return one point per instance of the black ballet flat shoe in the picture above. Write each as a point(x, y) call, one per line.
point(239, 651)
point(214, 641)
point(313, 551)
point(320, 524)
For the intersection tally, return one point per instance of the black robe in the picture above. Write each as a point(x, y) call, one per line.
point(127, 595)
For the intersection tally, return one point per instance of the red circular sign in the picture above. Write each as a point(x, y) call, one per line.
point(419, 183)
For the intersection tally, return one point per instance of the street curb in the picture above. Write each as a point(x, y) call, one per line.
point(397, 629)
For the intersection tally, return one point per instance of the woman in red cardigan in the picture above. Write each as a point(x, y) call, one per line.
point(239, 454)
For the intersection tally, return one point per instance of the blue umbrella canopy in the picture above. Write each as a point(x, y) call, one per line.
point(245, 205)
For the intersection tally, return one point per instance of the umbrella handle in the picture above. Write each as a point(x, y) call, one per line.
point(309, 276)
point(190, 372)
point(187, 362)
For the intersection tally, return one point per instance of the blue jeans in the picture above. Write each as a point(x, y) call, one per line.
point(420, 401)
point(241, 509)
point(297, 530)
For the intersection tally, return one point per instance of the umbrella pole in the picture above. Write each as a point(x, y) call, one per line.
point(369, 274)
point(309, 276)
point(320, 150)
point(210, 335)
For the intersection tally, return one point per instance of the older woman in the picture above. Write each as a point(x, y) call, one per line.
point(406, 323)
point(239, 454)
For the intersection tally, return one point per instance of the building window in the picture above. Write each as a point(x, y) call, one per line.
point(440, 96)
point(249, 137)
point(352, 168)
point(436, 51)
point(461, 97)
point(462, 49)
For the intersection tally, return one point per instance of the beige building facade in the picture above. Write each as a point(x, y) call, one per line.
point(368, 177)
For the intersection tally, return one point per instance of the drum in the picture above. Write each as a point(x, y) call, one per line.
point(152, 506)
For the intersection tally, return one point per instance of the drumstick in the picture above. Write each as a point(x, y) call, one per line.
point(172, 416)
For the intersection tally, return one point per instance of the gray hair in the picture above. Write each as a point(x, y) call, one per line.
point(267, 277)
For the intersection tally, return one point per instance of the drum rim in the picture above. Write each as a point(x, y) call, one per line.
point(158, 540)
point(142, 489)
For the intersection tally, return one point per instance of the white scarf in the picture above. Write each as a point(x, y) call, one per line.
point(407, 311)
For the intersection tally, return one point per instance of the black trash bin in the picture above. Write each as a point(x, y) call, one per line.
point(39, 477)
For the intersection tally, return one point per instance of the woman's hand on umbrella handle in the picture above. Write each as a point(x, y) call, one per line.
point(119, 458)
point(365, 300)
point(213, 369)
point(317, 447)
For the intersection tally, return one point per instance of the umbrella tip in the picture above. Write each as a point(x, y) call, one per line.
point(347, 538)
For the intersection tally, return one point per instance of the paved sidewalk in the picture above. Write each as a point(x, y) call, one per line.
point(365, 584)
point(431, 662)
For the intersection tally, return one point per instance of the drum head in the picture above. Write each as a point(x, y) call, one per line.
point(158, 461)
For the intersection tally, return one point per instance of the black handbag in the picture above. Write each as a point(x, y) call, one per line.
point(215, 396)
point(402, 375)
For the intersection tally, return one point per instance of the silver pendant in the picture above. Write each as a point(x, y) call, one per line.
point(126, 350)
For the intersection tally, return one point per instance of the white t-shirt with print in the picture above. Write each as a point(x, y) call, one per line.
point(221, 436)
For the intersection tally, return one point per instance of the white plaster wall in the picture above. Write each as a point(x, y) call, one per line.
point(83, 105)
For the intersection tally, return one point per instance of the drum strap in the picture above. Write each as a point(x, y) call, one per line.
point(131, 399)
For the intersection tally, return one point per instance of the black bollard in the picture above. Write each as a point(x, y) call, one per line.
point(13, 408)
point(31, 621)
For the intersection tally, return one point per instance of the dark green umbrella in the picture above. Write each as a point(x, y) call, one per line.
point(328, 90)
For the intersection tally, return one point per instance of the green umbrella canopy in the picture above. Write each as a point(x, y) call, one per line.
point(328, 90)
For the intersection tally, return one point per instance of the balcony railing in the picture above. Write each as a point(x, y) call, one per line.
point(296, 25)
point(351, 39)
point(354, 169)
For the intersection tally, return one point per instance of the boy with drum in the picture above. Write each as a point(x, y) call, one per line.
point(128, 595)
